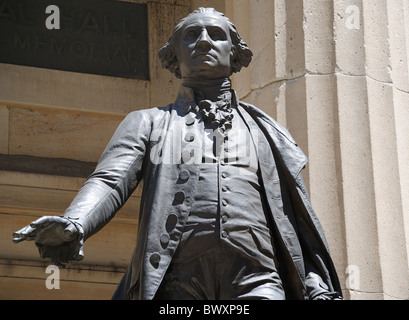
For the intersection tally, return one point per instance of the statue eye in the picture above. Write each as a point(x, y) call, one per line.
point(218, 35)
point(192, 34)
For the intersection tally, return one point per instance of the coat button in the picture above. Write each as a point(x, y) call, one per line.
point(154, 259)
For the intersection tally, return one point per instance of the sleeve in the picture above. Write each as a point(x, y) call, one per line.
point(116, 176)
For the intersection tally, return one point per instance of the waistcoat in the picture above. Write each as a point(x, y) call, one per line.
point(229, 201)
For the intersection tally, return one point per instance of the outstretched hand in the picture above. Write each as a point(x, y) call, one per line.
point(56, 237)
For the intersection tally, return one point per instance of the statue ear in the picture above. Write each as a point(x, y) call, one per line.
point(235, 63)
point(241, 56)
point(169, 59)
point(176, 69)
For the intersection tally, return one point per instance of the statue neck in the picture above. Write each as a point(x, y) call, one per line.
point(212, 90)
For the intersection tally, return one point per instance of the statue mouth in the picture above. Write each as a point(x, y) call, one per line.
point(205, 56)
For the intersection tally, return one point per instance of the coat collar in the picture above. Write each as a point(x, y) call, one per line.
point(280, 140)
point(186, 99)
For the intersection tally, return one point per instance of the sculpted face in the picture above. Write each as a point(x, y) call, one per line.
point(204, 49)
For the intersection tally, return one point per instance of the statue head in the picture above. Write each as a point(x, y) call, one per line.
point(206, 45)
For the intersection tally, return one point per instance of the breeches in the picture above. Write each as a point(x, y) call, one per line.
point(221, 273)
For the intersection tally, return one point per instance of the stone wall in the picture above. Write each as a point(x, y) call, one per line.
point(54, 125)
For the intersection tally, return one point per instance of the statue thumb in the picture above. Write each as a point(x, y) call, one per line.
point(70, 232)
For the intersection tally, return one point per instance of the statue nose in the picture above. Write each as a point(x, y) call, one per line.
point(204, 41)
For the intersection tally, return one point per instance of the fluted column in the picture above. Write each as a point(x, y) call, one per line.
point(335, 73)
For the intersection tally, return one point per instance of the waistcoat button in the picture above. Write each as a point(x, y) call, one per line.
point(187, 155)
point(184, 175)
point(164, 238)
point(190, 120)
point(189, 137)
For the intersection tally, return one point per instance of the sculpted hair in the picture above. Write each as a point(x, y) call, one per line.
point(241, 57)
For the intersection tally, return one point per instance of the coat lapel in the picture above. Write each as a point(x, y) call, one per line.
point(285, 236)
point(294, 219)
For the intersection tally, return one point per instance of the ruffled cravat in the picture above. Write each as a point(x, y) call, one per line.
point(213, 98)
point(219, 114)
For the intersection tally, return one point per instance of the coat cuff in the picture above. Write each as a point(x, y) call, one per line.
point(317, 289)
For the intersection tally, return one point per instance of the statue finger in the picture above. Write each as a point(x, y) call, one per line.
point(26, 233)
point(19, 237)
point(43, 222)
point(29, 232)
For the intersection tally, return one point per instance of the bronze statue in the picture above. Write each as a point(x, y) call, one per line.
point(224, 211)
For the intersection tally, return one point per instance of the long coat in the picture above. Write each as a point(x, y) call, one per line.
point(150, 145)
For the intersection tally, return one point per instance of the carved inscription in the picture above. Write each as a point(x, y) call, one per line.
point(102, 37)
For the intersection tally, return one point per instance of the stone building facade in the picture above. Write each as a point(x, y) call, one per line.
point(333, 72)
